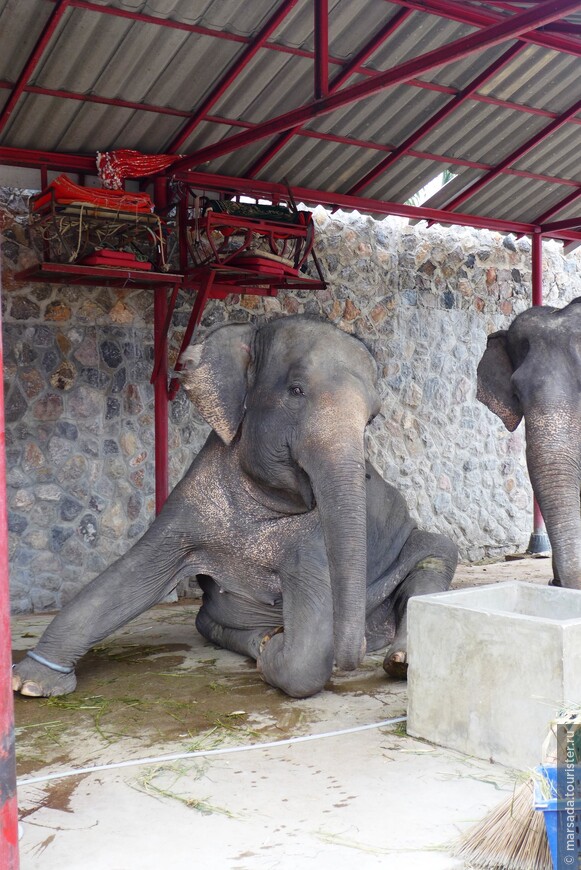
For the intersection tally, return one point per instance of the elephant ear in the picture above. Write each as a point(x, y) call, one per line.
point(214, 376)
point(494, 387)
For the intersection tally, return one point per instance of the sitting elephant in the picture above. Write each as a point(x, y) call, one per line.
point(304, 554)
point(533, 369)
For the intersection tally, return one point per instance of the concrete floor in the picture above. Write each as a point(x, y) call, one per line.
point(251, 796)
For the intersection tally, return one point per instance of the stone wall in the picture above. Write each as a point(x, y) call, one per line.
point(79, 406)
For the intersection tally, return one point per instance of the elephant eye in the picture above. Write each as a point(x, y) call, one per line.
point(296, 390)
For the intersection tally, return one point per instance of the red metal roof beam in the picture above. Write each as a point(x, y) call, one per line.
point(231, 74)
point(80, 163)
point(444, 8)
point(557, 226)
point(354, 66)
point(555, 209)
point(527, 146)
point(494, 35)
point(460, 98)
point(348, 70)
point(181, 113)
point(466, 14)
point(564, 27)
point(563, 235)
point(33, 60)
point(272, 190)
point(105, 101)
point(321, 87)
point(157, 21)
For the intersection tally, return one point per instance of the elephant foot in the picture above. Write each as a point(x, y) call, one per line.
point(395, 665)
point(35, 680)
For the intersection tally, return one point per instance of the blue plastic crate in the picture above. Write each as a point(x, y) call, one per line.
point(562, 811)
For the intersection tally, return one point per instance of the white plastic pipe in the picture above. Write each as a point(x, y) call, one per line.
point(204, 753)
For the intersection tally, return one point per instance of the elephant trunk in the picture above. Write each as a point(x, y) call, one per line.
point(555, 473)
point(337, 475)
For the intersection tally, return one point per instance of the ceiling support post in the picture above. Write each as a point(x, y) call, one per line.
point(321, 86)
point(8, 802)
point(539, 540)
point(537, 269)
point(160, 385)
point(161, 403)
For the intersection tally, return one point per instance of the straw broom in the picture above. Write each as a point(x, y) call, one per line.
point(511, 837)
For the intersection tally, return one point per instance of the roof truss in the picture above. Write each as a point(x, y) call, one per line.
point(487, 37)
point(529, 22)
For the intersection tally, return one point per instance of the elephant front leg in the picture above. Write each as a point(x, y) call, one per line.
point(435, 562)
point(299, 658)
point(135, 582)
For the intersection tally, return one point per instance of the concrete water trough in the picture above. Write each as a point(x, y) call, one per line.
point(490, 667)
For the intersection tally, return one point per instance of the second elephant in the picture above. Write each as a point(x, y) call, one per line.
point(533, 370)
point(305, 555)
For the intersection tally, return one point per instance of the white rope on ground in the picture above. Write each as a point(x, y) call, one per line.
point(203, 753)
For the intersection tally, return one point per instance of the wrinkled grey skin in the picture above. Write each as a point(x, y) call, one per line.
point(533, 370)
point(305, 555)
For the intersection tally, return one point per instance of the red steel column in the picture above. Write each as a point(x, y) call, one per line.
point(537, 269)
point(160, 390)
point(8, 806)
point(539, 542)
point(321, 85)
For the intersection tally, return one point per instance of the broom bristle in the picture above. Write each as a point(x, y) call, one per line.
point(511, 837)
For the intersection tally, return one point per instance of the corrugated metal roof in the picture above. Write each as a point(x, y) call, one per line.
point(116, 74)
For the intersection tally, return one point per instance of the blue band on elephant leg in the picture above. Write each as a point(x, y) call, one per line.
point(48, 664)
